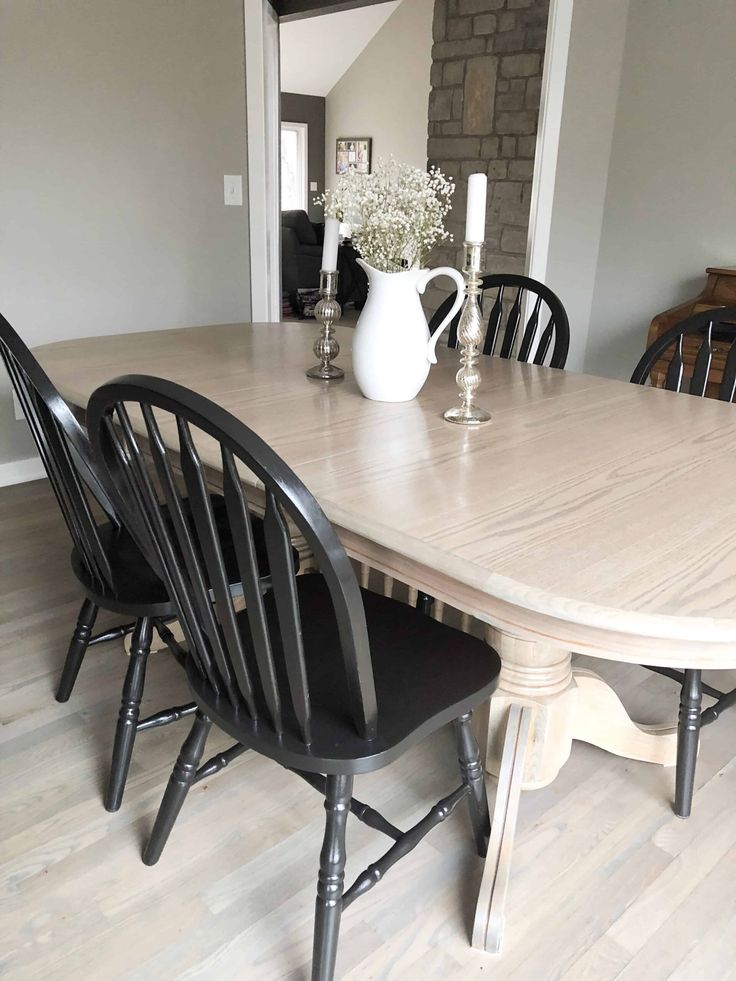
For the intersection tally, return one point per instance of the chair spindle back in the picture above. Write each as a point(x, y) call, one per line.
point(526, 320)
point(707, 329)
point(188, 554)
point(64, 450)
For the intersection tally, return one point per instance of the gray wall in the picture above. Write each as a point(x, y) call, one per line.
point(670, 207)
point(118, 121)
point(385, 91)
point(309, 109)
point(586, 136)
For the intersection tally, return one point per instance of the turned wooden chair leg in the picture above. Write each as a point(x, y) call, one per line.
point(181, 779)
point(130, 706)
point(688, 734)
point(425, 603)
point(471, 769)
point(330, 883)
point(77, 649)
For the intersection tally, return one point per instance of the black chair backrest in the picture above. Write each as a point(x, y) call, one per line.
point(188, 555)
point(508, 298)
point(706, 329)
point(64, 450)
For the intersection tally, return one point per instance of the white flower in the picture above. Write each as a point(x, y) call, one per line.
point(396, 214)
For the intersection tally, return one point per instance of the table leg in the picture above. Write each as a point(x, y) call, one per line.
point(489, 911)
point(540, 706)
point(602, 720)
point(568, 704)
point(538, 676)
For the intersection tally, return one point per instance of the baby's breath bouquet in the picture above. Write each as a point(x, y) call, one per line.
point(396, 214)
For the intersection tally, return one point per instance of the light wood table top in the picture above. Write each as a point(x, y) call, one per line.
point(605, 507)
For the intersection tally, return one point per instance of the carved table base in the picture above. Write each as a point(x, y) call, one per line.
point(541, 705)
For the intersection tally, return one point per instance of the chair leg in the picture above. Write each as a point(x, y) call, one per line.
point(130, 705)
point(425, 603)
point(330, 883)
point(688, 733)
point(77, 649)
point(181, 779)
point(471, 769)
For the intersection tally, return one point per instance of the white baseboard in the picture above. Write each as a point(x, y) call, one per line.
point(21, 471)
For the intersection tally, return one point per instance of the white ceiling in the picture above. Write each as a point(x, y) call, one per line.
point(317, 51)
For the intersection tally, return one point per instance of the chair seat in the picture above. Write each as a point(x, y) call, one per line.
point(426, 675)
point(138, 590)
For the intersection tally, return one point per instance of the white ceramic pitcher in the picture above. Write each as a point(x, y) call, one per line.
point(392, 349)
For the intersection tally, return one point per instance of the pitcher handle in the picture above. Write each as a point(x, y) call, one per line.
point(421, 287)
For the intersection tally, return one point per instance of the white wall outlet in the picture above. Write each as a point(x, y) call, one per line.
point(19, 413)
point(233, 189)
point(313, 185)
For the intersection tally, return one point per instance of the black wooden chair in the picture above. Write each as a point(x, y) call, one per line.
point(508, 296)
point(714, 333)
point(105, 559)
point(325, 678)
point(546, 331)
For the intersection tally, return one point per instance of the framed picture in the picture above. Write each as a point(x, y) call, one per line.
point(353, 153)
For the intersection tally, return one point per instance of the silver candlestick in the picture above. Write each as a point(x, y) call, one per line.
point(327, 311)
point(470, 335)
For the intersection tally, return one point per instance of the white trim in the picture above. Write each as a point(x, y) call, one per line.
point(21, 471)
point(554, 73)
point(262, 116)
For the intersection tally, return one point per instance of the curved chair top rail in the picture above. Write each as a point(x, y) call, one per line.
point(539, 331)
point(64, 449)
point(707, 324)
point(188, 554)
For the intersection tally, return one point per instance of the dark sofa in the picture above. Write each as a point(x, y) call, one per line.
point(301, 251)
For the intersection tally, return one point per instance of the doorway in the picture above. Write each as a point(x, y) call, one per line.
point(338, 77)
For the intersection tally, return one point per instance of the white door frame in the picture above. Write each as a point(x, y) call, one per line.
point(262, 94)
point(559, 26)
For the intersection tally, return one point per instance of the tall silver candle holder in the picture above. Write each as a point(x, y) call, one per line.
point(470, 335)
point(327, 311)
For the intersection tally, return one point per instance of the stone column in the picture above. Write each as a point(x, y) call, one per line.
point(483, 111)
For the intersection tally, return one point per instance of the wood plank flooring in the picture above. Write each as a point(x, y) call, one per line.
point(607, 883)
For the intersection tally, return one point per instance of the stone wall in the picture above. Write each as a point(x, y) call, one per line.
point(483, 110)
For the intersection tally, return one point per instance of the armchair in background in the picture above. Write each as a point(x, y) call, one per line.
point(301, 251)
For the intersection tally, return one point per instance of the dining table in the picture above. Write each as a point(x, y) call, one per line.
point(589, 516)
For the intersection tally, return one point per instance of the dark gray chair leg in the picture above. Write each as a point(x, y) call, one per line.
point(181, 779)
point(425, 603)
point(330, 883)
point(77, 649)
point(688, 733)
point(130, 706)
point(472, 773)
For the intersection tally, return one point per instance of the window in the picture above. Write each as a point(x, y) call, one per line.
point(293, 166)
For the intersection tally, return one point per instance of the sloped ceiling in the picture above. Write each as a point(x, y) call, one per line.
point(317, 51)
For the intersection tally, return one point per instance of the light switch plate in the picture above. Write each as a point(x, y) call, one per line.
point(233, 189)
point(313, 185)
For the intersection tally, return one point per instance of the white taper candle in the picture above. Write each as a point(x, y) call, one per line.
point(475, 216)
point(329, 249)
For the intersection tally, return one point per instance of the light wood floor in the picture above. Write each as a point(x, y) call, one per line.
point(607, 882)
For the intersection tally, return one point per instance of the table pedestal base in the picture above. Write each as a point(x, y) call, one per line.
point(542, 705)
